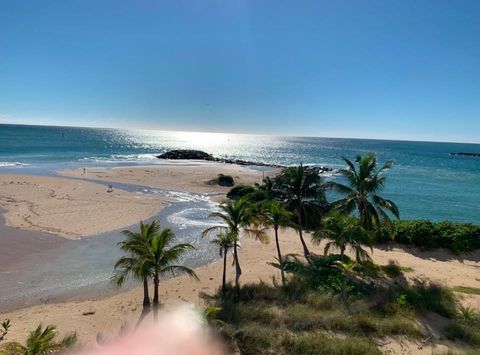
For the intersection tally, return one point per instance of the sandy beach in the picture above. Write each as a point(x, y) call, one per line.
point(179, 175)
point(62, 206)
point(71, 208)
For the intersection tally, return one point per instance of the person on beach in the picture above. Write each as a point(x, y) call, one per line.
point(110, 188)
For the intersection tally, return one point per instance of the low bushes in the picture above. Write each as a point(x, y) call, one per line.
point(239, 191)
point(457, 237)
point(223, 180)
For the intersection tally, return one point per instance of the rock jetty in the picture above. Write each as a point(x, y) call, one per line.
point(190, 154)
point(463, 154)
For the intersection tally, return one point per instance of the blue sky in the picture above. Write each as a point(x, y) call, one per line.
point(376, 69)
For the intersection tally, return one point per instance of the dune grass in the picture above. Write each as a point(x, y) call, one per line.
point(467, 290)
point(308, 315)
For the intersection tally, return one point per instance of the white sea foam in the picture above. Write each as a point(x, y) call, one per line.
point(116, 158)
point(192, 217)
point(10, 164)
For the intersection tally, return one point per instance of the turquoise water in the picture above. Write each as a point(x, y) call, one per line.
point(426, 182)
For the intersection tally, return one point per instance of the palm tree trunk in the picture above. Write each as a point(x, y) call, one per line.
point(156, 282)
point(306, 252)
point(146, 296)
point(280, 260)
point(238, 270)
point(224, 277)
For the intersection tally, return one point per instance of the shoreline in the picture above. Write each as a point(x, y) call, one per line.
point(94, 246)
point(104, 312)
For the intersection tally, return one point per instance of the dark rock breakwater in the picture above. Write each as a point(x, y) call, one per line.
point(189, 154)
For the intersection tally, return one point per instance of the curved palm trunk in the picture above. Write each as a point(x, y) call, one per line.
point(238, 270)
point(280, 260)
point(156, 282)
point(224, 277)
point(306, 252)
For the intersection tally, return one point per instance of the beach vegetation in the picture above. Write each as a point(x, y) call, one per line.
point(133, 263)
point(467, 290)
point(161, 258)
point(274, 215)
point(239, 191)
point(283, 320)
point(149, 255)
point(236, 217)
point(225, 180)
point(310, 310)
point(364, 180)
point(41, 341)
point(342, 232)
point(456, 237)
point(5, 327)
point(303, 194)
point(224, 240)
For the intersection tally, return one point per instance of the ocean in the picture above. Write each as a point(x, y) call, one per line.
point(426, 182)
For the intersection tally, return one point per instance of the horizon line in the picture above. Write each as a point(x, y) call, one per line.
point(237, 133)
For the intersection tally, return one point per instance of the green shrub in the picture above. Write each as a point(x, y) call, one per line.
point(426, 298)
point(457, 237)
point(254, 340)
point(239, 191)
point(465, 331)
point(320, 344)
point(224, 180)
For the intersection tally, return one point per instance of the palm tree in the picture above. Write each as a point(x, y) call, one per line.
point(304, 196)
point(342, 232)
point(236, 216)
point(133, 263)
point(224, 241)
point(42, 341)
point(276, 216)
point(364, 181)
point(160, 259)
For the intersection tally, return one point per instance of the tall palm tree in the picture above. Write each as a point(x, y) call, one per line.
point(236, 216)
point(132, 264)
point(224, 241)
point(342, 232)
point(160, 259)
point(276, 216)
point(304, 195)
point(43, 341)
point(364, 181)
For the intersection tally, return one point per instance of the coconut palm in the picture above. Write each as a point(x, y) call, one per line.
point(132, 265)
point(160, 259)
point(43, 341)
point(224, 241)
point(274, 215)
point(364, 181)
point(342, 232)
point(304, 195)
point(236, 217)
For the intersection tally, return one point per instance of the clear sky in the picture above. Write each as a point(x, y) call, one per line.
point(376, 69)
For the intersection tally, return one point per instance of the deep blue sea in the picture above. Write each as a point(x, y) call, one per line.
point(426, 182)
